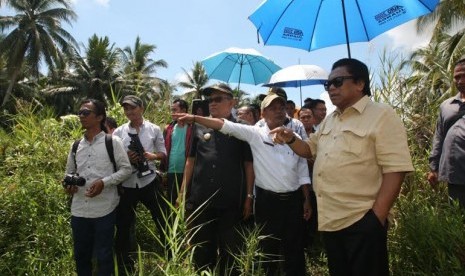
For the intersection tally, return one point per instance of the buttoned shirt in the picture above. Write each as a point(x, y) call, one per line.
point(277, 168)
point(353, 150)
point(448, 153)
point(292, 123)
point(151, 138)
point(219, 172)
point(93, 163)
point(452, 163)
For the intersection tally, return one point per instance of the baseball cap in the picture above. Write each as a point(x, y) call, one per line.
point(132, 100)
point(220, 87)
point(269, 99)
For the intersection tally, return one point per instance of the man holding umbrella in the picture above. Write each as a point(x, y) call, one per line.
point(362, 157)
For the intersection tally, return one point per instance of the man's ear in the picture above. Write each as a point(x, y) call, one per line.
point(361, 85)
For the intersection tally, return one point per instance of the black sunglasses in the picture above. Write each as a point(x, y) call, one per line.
point(337, 81)
point(84, 112)
point(217, 99)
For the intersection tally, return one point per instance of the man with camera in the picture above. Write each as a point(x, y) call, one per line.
point(91, 179)
point(144, 144)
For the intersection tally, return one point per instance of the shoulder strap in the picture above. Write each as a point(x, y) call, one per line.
point(453, 120)
point(74, 150)
point(109, 145)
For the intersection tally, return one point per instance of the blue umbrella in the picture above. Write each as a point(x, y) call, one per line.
point(239, 66)
point(316, 24)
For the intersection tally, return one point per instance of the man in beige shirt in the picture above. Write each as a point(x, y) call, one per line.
point(362, 157)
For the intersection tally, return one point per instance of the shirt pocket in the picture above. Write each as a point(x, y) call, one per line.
point(353, 141)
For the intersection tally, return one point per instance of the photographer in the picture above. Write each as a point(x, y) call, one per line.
point(146, 146)
point(91, 180)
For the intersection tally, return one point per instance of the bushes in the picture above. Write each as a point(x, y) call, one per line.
point(426, 237)
point(34, 230)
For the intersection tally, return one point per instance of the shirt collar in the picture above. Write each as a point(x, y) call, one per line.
point(457, 98)
point(359, 106)
point(141, 126)
point(97, 137)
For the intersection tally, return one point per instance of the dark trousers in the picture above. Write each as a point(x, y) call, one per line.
point(457, 192)
point(90, 234)
point(174, 181)
point(281, 215)
point(358, 250)
point(125, 243)
point(216, 235)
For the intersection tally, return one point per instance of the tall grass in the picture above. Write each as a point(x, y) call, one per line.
point(427, 234)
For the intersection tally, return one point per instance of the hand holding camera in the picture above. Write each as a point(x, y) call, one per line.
point(72, 181)
point(138, 155)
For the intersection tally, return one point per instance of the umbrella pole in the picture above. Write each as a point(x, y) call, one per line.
point(240, 75)
point(345, 27)
point(300, 88)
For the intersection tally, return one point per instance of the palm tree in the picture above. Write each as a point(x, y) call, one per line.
point(95, 73)
point(138, 68)
point(36, 36)
point(196, 80)
point(137, 61)
point(448, 15)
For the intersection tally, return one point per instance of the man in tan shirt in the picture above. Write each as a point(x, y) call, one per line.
point(362, 157)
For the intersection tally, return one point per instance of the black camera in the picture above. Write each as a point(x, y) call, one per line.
point(142, 164)
point(73, 180)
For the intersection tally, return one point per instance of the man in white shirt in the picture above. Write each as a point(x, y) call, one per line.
point(93, 205)
point(142, 185)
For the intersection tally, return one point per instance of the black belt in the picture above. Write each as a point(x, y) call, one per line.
point(281, 196)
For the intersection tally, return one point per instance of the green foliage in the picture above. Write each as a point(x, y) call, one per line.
point(428, 235)
point(34, 233)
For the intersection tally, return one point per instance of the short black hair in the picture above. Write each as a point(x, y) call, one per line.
point(182, 104)
point(290, 102)
point(357, 69)
point(312, 105)
point(256, 111)
point(308, 100)
point(305, 107)
point(99, 111)
point(111, 122)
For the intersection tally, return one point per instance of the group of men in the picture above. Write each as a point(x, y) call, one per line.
point(227, 170)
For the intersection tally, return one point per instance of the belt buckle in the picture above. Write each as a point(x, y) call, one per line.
point(284, 196)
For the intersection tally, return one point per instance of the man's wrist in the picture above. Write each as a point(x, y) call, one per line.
point(292, 140)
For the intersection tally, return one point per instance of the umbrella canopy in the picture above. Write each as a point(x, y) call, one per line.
point(298, 76)
point(317, 24)
point(239, 66)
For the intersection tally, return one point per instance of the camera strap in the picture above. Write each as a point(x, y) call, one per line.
point(108, 145)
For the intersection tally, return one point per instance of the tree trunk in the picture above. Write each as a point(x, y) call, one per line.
point(10, 87)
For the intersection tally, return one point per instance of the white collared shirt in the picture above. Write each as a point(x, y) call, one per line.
point(151, 138)
point(292, 123)
point(277, 168)
point(93, 163)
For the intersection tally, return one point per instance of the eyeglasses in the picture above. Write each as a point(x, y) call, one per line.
point(84, 112)
point(337, 81)
point(217, 99)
